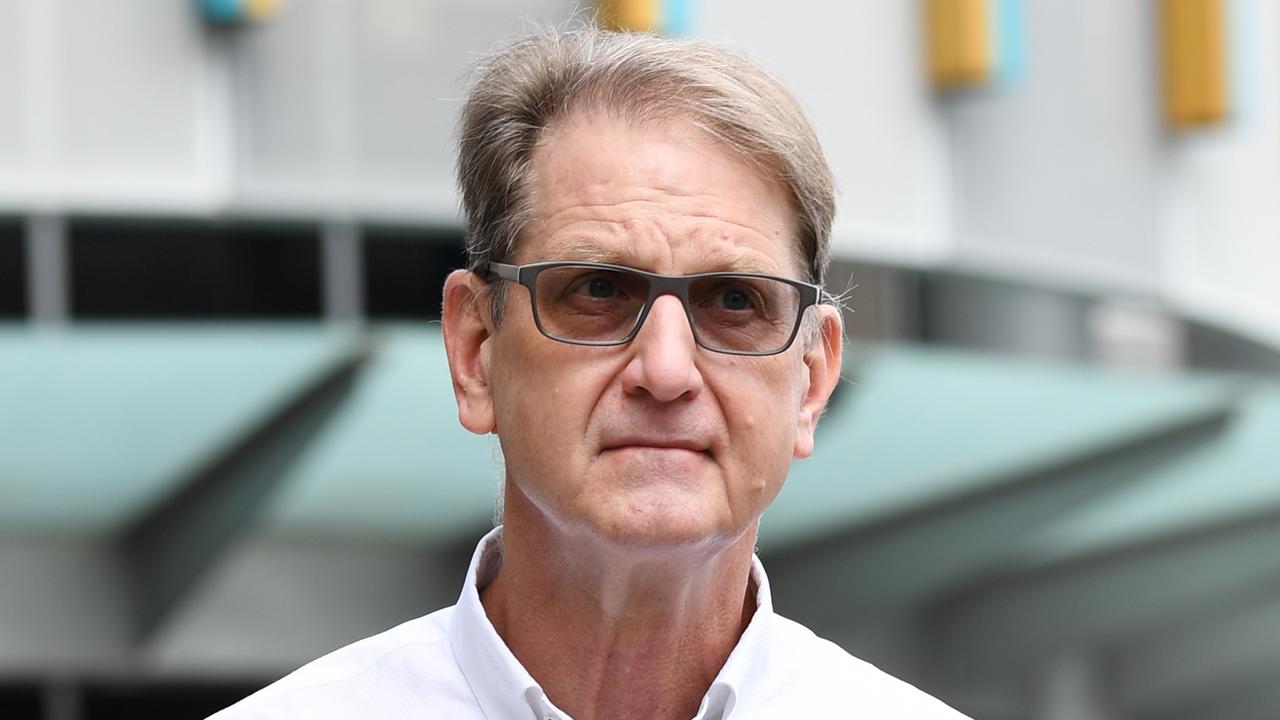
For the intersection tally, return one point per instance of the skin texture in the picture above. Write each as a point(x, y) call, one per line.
point(636, 474)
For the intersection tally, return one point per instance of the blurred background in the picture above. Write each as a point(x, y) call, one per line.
point(1048, 489)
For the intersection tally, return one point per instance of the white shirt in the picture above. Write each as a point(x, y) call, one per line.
point(451, 664)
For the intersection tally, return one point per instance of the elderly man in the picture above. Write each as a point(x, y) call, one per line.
point(642, 326)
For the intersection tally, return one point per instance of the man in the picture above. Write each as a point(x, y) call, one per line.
point(642, 327)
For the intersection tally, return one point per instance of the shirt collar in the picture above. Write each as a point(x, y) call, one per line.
point(747, 665)
point(504, 689)
point(497, 679)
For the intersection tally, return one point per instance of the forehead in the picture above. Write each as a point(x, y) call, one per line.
point(661, 195)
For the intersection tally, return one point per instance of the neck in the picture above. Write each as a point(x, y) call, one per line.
point(609, 632)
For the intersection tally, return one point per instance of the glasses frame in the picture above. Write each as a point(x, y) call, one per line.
point(677, 285)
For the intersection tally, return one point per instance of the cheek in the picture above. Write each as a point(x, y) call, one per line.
point(536, 410)
point(762, 426)
point(545, 396)
point(537, 440)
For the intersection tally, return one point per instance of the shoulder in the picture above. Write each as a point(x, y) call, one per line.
point(819, 675)
point(379, 676)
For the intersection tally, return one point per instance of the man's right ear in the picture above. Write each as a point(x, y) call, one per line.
point(467, 330)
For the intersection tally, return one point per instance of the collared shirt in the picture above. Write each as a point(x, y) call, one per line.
point(452, 664)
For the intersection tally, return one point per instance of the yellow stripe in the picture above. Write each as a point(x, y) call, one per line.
point(960, 45)
point(1193, 45)
point(630, 15)
point(262, 9)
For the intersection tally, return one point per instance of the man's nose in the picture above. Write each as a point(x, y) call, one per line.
point(662, 362)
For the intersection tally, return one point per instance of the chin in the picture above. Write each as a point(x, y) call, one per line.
point(665, 526)
point(657, 501)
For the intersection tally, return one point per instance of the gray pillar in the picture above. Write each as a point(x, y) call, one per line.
point(1067, 688)
point(48, 290)
point(999, 316)
point(61, 699)
point(343, 281)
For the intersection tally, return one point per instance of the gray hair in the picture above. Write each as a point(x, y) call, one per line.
point(526, 86)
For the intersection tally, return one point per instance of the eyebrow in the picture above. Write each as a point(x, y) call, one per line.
point(586, 251)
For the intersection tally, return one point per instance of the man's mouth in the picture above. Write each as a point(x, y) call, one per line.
point(655, 443)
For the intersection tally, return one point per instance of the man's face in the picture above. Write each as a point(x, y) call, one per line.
point(657, 442)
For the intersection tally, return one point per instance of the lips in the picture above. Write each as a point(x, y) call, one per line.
point(656, 443)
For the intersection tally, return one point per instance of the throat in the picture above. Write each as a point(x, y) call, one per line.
point(630, 644)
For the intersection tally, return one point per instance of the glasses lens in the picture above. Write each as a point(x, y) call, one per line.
point(589, 304)
point(742, 313)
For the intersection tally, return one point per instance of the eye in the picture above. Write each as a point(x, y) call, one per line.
point(735, 299)
point(599, 287)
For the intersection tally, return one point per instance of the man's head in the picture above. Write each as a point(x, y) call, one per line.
point(674, 158)
point(539, 82)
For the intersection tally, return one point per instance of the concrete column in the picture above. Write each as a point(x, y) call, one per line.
point(999, 316)
point(48, 270)
point(1068, 688)
point(343, 277)
point(61, 700)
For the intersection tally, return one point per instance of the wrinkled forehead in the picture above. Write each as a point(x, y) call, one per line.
point(582, 160)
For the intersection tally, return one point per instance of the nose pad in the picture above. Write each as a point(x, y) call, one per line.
point(663, 354)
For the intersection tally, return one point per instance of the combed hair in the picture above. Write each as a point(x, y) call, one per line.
point(524, 88)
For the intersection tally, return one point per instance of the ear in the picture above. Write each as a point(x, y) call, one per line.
point(467, 330)
point(822, 365)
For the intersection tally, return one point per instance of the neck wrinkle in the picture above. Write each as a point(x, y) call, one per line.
point(617, 636)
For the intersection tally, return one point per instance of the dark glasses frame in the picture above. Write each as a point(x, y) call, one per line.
point(677, 285)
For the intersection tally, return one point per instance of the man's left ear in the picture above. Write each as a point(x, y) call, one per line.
point(822, 365)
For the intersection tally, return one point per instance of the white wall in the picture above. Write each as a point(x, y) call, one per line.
point(11, 85)
point(347, 107)
point(1219, 213)
point(332, 107)
point(108, 105)
point(1055, 175)
point(858, 69)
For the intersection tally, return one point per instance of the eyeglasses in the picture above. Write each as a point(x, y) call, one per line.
point(586, 303)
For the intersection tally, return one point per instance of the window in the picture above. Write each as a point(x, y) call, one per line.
point(193, 269)
point(13, 271)
point(405, 269)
